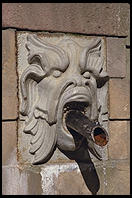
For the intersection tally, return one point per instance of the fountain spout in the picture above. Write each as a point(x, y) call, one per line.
point(92, 130)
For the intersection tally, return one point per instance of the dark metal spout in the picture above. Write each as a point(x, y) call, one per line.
point(80, 123)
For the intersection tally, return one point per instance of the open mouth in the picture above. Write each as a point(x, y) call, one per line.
point(71, 131)
point(76, 106)
point(77, 99)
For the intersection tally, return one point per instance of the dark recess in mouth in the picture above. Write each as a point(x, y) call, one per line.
point(79, 106)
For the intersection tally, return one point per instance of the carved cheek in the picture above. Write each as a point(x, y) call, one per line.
point(51, 89)
point(93, 84)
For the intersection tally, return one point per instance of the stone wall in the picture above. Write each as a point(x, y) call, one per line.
point(63, 177)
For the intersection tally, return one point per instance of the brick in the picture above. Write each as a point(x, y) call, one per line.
point(118, 179)
point(116, 57)
point(118, 140)
point(9, 142)
point(88, 18)
point(119, 98)
point(9, 78)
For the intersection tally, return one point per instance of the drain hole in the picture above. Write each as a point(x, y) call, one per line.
point(100, 137)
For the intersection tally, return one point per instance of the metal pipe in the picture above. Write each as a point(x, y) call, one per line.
point(80, 123)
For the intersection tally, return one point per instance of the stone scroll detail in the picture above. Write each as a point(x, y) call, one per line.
point(59, 77)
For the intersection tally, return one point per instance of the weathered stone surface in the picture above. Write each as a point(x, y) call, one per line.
point(11, 180)
point(102, 173)
point(119, 98)
point(71, 183)
point(118, 179)
point(9, 79)
point(89, 18)
point(118, 140)
point(63, 179)
point(116, 57)
point(66, 179)
point(20, 182)
point(9, 143)
point(34, 183)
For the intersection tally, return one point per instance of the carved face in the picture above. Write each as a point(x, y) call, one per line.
point(60, 78)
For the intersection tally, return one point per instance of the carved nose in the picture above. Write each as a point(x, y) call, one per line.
point(86, 82)
point(78, 81)
point(81, 82)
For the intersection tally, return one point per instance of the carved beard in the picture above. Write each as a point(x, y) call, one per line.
point(44, 99)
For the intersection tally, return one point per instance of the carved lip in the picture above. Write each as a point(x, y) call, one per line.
point(78, 98)
point(78, 94)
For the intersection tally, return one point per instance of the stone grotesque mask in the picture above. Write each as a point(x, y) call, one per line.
point(60, 77)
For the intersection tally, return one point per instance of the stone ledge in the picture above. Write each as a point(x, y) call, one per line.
point(87, 18)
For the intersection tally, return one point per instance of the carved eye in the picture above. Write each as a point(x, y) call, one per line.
point(57, 73)
point(86, 75)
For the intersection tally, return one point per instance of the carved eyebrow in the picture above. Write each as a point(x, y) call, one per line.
point(83, 58)
point(90, 59)
point(39, 50)
point(91, 70)
point(94, 64)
